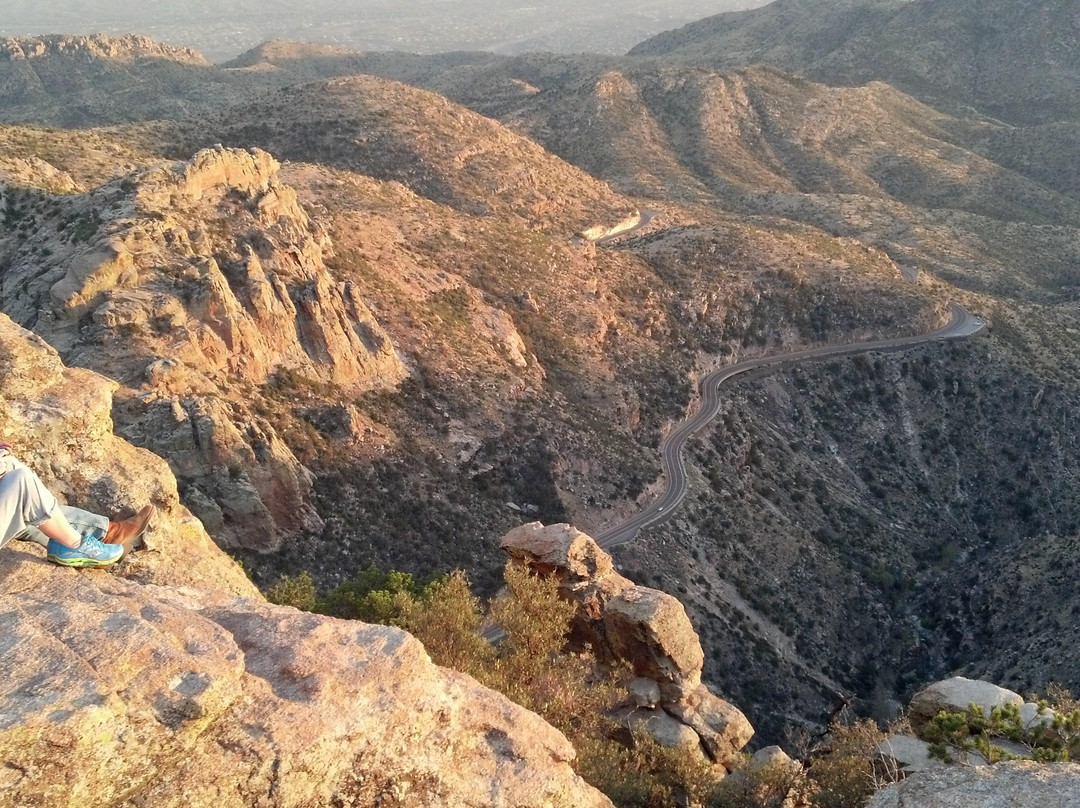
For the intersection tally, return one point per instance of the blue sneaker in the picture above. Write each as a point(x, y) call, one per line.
point(91, 553)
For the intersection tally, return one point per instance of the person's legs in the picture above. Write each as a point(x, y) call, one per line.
point(25, 504)
point(84, 523)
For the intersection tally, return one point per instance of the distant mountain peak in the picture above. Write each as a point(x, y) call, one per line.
point(273, 50)
point(127, 48)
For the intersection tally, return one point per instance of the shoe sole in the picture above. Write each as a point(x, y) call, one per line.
point(82, 562)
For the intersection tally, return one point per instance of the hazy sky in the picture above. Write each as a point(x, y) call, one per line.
point(223, 28)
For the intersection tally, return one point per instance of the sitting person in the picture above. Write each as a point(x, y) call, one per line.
point(72, 537)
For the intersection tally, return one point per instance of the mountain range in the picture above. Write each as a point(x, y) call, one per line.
point(359, 303)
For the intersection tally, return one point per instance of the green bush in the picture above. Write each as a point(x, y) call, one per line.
point(955, 735)
point(297, 591)
point(849, 774)
point(374, 596)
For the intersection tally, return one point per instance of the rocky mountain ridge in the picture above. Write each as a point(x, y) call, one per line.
point(1009, 58)
point(128, 48)
point(76, 79)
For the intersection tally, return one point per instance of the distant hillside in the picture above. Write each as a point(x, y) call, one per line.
point(1014, 59)
point(687, 132)
point(297, 60)
point(87, 80)
point(221, 30)
point(441, 151)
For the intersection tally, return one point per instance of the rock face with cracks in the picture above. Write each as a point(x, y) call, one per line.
point(195, 284)
point(171, 682)
point(178, 697)
point(645, 628)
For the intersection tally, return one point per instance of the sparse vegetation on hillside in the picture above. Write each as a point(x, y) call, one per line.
point(848, 521)
point(898, 480)
point(933, 48)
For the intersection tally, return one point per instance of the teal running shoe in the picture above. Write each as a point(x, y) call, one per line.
point(90, 553)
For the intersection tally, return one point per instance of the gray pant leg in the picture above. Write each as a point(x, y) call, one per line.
point(25, 502)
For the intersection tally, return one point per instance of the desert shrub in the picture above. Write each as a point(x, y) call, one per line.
point(447, 619)
point(849, 774)
point(374, 596)
point(529, 664)
point(772, 786)
point(955, 735)
point(646, 774)
point(297, 591)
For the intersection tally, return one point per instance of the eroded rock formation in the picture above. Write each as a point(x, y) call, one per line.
point(169, 681)
point(643, 627)
point(193, 284)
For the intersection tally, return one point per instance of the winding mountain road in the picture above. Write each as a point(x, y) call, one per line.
point(961, 324)
point(645, 216)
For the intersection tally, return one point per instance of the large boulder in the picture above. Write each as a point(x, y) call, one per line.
point(561, 549)
point(585, 572)
point(960, 695)
point(650, 630)
point(665, 729)
point(722, 727)
point(956, 695)
point(1016, 784)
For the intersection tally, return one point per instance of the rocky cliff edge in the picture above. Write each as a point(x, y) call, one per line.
point(193, 284)
point(169, 681)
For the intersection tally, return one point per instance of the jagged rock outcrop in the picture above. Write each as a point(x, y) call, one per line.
point(1016, 784)
point(193, 284)
point(218, 258)
point(168, 681)
point(130, 47)
point(645, 628)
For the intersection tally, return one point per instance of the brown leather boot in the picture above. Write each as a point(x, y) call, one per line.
point(129, 529)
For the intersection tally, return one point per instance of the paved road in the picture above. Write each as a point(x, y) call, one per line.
point(647, 216)
point(961, 324)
